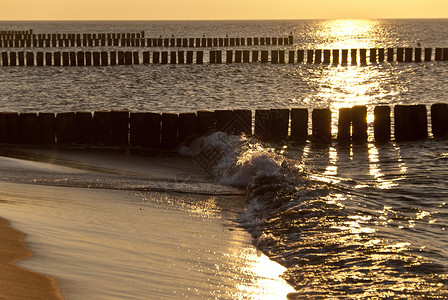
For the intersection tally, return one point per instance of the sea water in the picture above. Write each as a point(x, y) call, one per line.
point(345, 221)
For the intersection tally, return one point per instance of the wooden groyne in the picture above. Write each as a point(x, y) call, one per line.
point(27, 39)
point(112, 58)
point(167, 131)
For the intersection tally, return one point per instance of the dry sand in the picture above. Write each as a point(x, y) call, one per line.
point(17, 282)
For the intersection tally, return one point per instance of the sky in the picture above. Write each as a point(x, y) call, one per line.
point(219, 10)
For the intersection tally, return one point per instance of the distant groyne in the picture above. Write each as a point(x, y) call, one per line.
point(274, 56)
point(167, 131)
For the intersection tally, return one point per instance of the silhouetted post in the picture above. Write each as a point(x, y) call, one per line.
point(84, 127)
point(291, 56)
point(223, 118)
point(104, 58)
point(146, 57)
point(229, 56)
point(48, 59)
point(238, 56)
point(181, 57)
point(381, 123)
point(113, 58)
point(57, 58)
point(9, 127)
point(353, 55)
point(363, 56)
point(47, 128)
point(410, 122)
point(359, 123)
point(344, 60)
point(445, 54)
point(439, 119)
point(39, 59)
point(408, 54)
point(262, 124)
point(138, 130)
point(246, 56)
point(188, 128)
point(428, 54)
point(88, 56)
point(154, 130)
point(169, 139)
point(254, 55)
point(321, 124)
point(200, 57)
point(390, 54)
point(327, 56)
point(219, 56)
point(335, 53)
point(120, 127)
point(13, 59)
point(128, 58)
point(344, 124)
point(373, 52)
point(299, 124)
point(264, 56)
point(300, 56)
point(281, 56)
point(66, 128)
point(102, 127)
point(28, 128)
point(309, 56)
point(400, 54)
point(274, 56)
point(189, 57)
point(418, 54)
point(318, 56)
point(206, 122)
point(30, 59)
point(173, 57)
point(96, 58)
point(279, 123)
point(156, 57)
point(381, 55)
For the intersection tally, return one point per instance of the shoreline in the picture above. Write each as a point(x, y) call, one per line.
point(17, 282)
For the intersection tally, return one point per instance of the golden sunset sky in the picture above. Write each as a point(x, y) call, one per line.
point(218, 10)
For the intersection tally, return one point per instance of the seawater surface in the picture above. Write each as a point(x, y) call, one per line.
point(343, 220)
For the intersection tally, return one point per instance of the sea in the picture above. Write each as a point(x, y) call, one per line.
point(265, 221)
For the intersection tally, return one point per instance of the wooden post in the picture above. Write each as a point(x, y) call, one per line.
point(321, 124)
point(28, 128)
point(9, 127)
point(30, 59)
point(66, 128)
point(300, 56)
point(154, 130)
point(390, 54)
point(327, 56)
point(400, 54)
point(13, 59)
point(344, 124)
point(88, 56)
point(373, 55)
point(57, 59)
point(254, 55)
point(281, 56)
point(318, 56)
point(181, 57)
point(47, 128)
point(229, 56)
point(445, 54)
point(410, 122)
point(381, 123)
point(359, 123)
point(104, 58)
point(438, 54)
point(127, 58)
point(39, 59)
point(169, 140)
point(363, 56)
point(223, 120)
point(353, 55)
point(408, 54)
point(418, 54)
point(96, 58)
point(274, 56)
point(206, 122)
point(146, 57)
point(344, 56)
point(299, 124)
point(264, 56)
point(189, 57)
point(242, 121)
point(279, 121)
point(309, 56)
point(381, 55)
point(262, 124)
point(335, 53)
point(84, 127)
point(246, 55)
point(113, 58)
point(428, 54)
point(48, 59)
point(439, 119)
point(138, 123)
point(238, 56)
point(188, 128)
point(291, 56)
point(199, 57)
point(120, 127)
point(102, 127)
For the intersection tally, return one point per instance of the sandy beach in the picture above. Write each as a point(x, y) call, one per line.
point(17, 282)
point(115, 225)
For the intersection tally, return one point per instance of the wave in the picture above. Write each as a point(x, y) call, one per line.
point(330, 250)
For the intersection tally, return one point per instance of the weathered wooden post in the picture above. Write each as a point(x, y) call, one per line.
point(291, 56)
point(321, 124)
point(359, 123)
point(428, 54)
point(408, 54)
point(96, 58)
point(318, 56)
point(274, 56)
point(120, 128)
point(254, 55)
point(299, 124)
point(104, 58)
point(238, 56)
point(279, 123)
point(47, 128)
point(229, 56)
point(189, 57)
point(28, 128)
point(84, 127)
point(138, 129)
point(410, 122)
point(344, 124)
point(102, 127)
point(188, 128)
point(30, 59)
point(381, 123)
point(335, 53)
point(327, 56)
point(344, 56)
point(353, 55)
point(281, 56)
point(169, 140)
point(173, 57)
point(206, 122)
point(439, 119)
point(400, 54)
point(39, 59)
point(264, 56)
point(154, 130)
point(418, 54)
point(373, 54)
point(363, 56)
point(262, 124)
point(199, 57)
point(381, 55)
point(66, 128)
point(300, 56)
point(390, 54)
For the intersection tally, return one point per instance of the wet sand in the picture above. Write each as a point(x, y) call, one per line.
point(17, 282)
point(115, 234)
